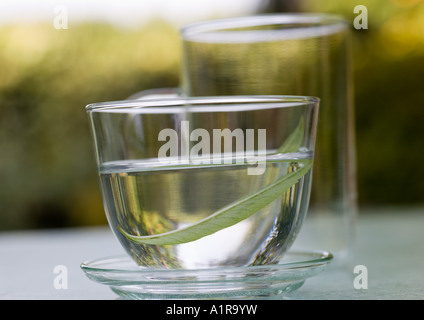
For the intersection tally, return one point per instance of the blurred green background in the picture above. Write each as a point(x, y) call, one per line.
point(47, 76)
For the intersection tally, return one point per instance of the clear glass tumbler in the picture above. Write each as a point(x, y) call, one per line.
point(294, 54)
point(205, 182)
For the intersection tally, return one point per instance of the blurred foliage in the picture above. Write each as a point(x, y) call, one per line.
point(388, 72)
point(47, 166)
point(47, 77)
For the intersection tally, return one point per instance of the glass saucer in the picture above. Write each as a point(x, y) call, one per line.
point(131, 281)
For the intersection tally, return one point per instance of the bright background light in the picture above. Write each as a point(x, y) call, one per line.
point(124, 12)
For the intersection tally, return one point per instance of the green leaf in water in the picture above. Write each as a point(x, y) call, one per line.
point(227, 216)
point(238, 210)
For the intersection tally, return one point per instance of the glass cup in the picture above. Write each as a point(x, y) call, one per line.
point(207, 181)
point(288, 54)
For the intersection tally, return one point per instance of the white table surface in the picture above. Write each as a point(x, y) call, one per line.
point(389, 243)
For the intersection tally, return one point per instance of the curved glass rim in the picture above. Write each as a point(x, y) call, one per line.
point(315, 258)
point(184, 103)
point(219, 30)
